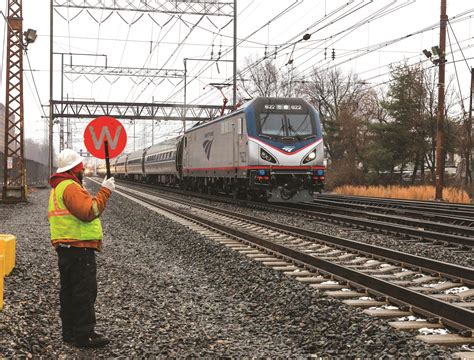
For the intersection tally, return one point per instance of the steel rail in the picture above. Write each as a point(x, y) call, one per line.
point(435, 208)
point(435, 217)
point(451, 315)
point(425, 229)
point(432, 203)
point(417, 232)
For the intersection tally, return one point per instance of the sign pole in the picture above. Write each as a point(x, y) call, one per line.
point(107, 161)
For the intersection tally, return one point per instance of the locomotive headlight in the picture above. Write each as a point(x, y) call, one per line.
point(310, 157)
point(267, 157)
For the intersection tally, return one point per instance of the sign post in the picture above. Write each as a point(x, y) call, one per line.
point(105, 138)
point(107, 160)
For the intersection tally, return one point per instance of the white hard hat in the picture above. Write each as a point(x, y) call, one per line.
point(68, 159)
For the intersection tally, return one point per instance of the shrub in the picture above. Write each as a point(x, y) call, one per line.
point(423, 192)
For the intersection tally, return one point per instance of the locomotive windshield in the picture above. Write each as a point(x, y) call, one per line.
point(286, 125)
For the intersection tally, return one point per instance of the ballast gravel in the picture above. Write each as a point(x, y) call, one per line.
point(402, 243)
point(165, 291)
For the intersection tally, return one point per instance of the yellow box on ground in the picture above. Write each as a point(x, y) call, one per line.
point(7, 249)
point(2, 262)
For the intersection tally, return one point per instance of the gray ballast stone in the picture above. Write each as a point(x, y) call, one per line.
point(166, 291)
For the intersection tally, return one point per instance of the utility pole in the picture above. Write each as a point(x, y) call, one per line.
point(440, 121)
point(14, 179)
point(234, 82)
point(469, 135)
point(61, 121)
point(51, 110)
point(185, 90)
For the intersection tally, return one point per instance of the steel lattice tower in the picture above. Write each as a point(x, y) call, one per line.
point(14, 182)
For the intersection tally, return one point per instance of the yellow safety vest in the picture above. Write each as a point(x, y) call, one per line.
point(64, 225)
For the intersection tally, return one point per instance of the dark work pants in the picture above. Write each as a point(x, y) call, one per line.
point(77, 270)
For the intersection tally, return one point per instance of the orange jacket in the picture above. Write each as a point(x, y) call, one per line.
point(79, 202)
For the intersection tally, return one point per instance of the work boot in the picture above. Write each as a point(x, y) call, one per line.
point(68, 339)
point(92, 341)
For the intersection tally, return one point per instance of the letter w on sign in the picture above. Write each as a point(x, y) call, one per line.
point(104, 132)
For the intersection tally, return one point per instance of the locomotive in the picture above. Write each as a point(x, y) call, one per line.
point(270, 148)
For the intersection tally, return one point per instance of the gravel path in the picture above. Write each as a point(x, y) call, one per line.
point(166, 291)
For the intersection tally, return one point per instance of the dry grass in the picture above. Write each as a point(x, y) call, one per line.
point(425, 192)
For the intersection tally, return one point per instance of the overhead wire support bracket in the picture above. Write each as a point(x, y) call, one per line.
point(190, 7)
point(135, 111)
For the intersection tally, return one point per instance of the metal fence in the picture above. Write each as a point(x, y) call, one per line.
point(37, 174)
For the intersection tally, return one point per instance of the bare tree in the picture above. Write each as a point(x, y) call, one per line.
point(346, 106)
point(265, 79)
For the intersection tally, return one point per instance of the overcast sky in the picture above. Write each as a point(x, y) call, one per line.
point(360, 32)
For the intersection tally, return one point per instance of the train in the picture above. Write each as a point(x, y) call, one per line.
point(270, 148)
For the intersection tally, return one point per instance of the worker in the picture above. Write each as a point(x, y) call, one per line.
point(76, 234)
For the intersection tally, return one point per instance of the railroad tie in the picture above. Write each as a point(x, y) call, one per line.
point(414, 325)
point(387, 313)
point(343, 294)
point(446, 339)
point(363, 303)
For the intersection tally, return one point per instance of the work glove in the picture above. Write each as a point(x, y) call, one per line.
point(109, 183)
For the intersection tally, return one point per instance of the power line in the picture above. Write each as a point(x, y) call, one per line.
point(279, 15)
point(379, 14)
point(462, 52)
point(387, 43)
point(456, 72)
point(292, 41)
point(257, 45)
point(149, 57)
point(173, 53)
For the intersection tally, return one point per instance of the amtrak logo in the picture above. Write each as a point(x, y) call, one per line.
point(288, 148)
point(207, 144)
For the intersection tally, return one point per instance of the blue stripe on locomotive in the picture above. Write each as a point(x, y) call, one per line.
point(252, 130)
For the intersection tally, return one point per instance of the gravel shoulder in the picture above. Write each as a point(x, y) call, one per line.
point(168, 292)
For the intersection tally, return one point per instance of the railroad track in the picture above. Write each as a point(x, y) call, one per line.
point(462, 213)
point(407, 224)
point(467, 222)
point(369, 276)
point(461, 237)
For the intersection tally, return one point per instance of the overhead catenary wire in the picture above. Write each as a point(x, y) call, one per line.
point(381, 45)
point(256, 44)
point(205, 67)
point(149, 57)
point(192, 26)
point(351, 10)
point(174, 52)
point(291, 41)
point(123, 50)
point(34, 84)
point(458, 17)
point(342, 55)
point(281, 47)
point(377, 15)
